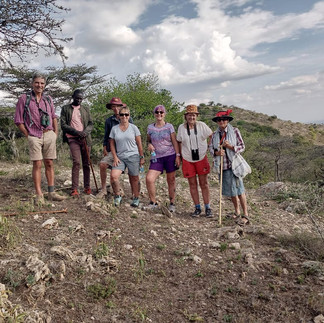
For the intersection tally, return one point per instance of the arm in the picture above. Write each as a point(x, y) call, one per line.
point(65, 126)
point(89, 126)
point(23, 129)
point(150, 147)
point(55, 126)
point(113, 151)
point(140, 149)
point(176, 148)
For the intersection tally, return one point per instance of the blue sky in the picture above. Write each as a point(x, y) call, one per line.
point(265, 56)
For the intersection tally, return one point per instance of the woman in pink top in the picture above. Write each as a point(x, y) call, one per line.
point(76, 124)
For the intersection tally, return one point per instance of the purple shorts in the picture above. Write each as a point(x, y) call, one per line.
point(167, 163)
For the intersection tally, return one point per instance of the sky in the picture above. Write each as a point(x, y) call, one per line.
point(263, 55)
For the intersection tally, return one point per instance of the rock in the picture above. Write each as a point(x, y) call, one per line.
point(271, 188)
point(214, 244)
point(39, 268)
point(128, 246)
point(67, 183)
point(50, 224)
point(235, 245)
point(64, 252)
point(196, 259)
point(102, 234)
point(38, 291)
point(154, 233)
point(319, 319)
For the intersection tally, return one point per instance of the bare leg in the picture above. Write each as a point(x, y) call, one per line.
point(114, 180)
point(236, 204)
point(203, 183)
point(193, 187)
point(37, 176)
point(151, 177)
point(134, 180)
point(171, 185)
point(242, 199)
point(103, 176)
point(49, 171)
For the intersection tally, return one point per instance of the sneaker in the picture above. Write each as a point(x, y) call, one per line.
point(209, 213)
point(101, 195)
point(135, 202)
point(87, 190)
point(74, 193)
point(196, 213)
point(39, 200)
point(151, 207)
point(117, 200)
point(172, 208)
point(53, 196)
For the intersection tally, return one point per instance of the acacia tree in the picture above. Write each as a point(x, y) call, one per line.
point(27, 26)
point(61, 81)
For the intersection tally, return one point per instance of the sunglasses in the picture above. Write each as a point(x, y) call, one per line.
point(159, 112)
point(124, 114)
point(222, 119)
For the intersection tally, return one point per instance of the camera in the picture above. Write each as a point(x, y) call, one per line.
point(45, 120)
point(195, 154)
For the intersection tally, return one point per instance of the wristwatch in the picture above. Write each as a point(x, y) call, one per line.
point(178, 155)
point(141, 157)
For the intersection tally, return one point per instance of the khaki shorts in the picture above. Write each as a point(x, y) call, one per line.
point(108, 159)
point(44, 147)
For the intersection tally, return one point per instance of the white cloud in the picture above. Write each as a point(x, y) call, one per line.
point(296, 82)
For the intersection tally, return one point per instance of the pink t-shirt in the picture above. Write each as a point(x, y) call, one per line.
point(76, 121)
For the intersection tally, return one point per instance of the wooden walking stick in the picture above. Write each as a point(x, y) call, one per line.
point(221, 179)
point(87, 151)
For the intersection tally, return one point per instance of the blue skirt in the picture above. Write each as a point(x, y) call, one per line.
point(232, 185)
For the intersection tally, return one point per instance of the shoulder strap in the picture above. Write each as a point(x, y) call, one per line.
point(26, 108)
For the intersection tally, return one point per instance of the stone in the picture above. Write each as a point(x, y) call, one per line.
point(50, 224)
point(38, 268)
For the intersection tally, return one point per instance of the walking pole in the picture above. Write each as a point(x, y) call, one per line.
point(87, 151)
point(221, 188)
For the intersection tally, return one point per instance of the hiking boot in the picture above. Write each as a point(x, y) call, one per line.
point(39, 200)
point(74, 193)
point(53, 196)
point(135, 202)
point(172, 208)
point(209, 213)
point(117, 200)
point(196, 213)
point(87, 190)
point(101, 195)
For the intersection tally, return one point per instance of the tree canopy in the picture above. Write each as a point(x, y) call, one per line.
point(28, 26)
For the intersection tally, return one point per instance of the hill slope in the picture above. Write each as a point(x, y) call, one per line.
point(97, 263)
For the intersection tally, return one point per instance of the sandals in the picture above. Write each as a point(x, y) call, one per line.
point(243, 220)
point(233, 216)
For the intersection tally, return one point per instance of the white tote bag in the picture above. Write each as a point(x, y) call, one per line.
point(240, 167)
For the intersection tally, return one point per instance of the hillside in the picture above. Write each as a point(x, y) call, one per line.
point(96, 263)
point(313, 132)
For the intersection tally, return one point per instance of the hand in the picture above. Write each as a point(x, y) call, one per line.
point(226, 144)
point(82, 134)
point(142, 161)
point(150, 147)
point(178, 161)
point(220, 152)
point(116, 162)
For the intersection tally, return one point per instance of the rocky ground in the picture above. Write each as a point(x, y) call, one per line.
point(92, 262)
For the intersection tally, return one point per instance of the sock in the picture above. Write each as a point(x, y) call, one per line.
point(207, 206)
point(50, 189)
point(197, 206)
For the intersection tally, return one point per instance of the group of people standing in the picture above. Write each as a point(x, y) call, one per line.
point(122, 149)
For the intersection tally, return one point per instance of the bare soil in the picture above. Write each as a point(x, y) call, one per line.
point(128, 265)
